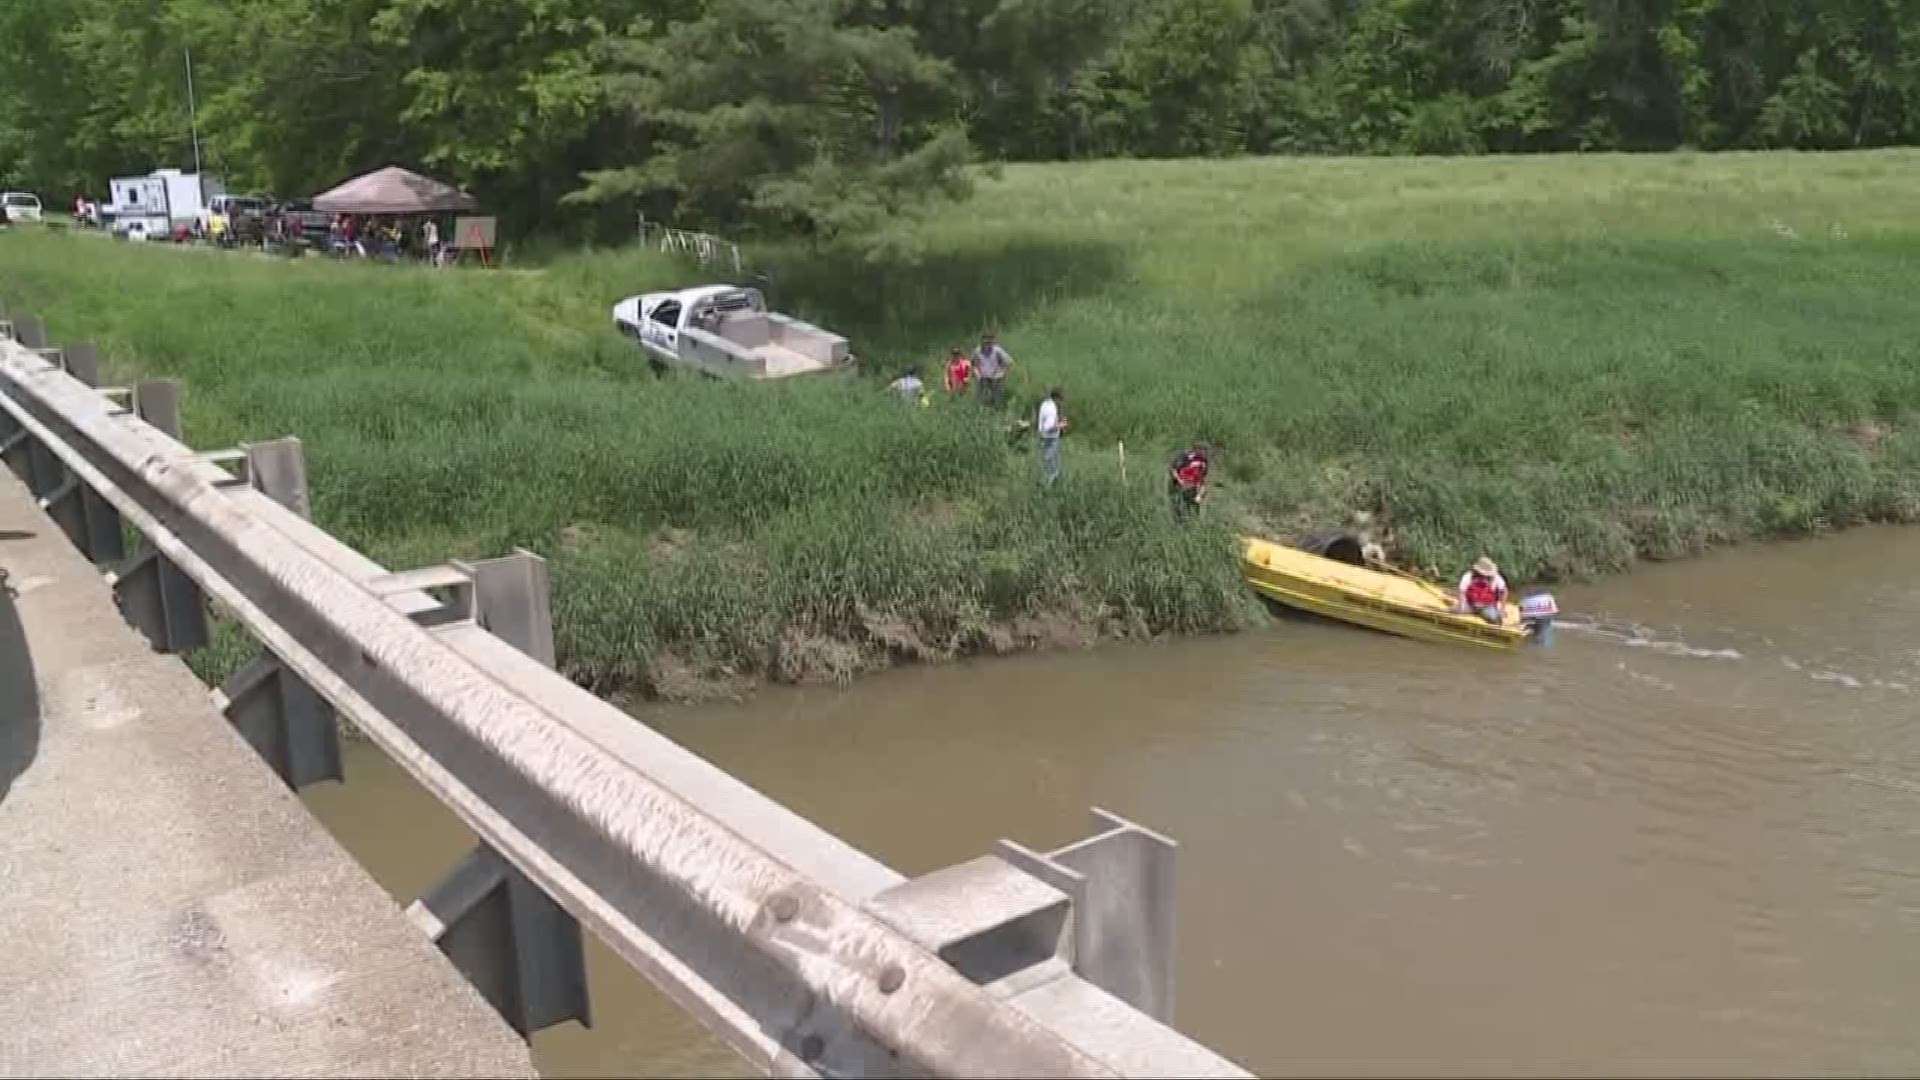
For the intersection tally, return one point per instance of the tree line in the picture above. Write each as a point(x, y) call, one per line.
point(827, 117)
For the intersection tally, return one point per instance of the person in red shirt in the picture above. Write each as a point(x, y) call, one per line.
point(959, 370)
point(1484, 591)
point(1187, 479)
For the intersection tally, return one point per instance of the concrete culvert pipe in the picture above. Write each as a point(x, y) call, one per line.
point(1336, 544)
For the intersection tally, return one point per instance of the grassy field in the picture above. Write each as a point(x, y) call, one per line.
point(1566, 363)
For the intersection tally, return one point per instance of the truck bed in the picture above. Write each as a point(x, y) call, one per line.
point(784, 361)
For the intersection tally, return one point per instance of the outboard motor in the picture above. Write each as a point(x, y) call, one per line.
point(1536, 614)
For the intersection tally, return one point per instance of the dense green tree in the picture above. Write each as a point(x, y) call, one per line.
point(829, 117)
point(799, 116)
point(506, 98)
point(294, 95)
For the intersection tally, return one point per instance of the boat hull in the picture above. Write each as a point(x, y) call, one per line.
point(1371, 598)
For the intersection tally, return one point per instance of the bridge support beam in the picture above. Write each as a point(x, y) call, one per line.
point(518, 948)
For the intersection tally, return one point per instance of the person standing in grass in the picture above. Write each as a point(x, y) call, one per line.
point(959, 370)
point(990, 364)
point(1187, 479)
point(1050, 424)
point(909, 386)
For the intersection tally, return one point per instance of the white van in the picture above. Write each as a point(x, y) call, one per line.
point(20, 206)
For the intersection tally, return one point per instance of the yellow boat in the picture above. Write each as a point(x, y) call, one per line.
point(1393, 602)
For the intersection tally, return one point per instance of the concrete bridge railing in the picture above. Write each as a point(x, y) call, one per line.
point(807, 956)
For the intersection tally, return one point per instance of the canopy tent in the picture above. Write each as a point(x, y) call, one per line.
point(392, 190)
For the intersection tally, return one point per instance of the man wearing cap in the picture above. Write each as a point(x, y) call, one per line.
point(1484, 591)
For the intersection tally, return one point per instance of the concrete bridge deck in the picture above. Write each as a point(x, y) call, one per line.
point(167, 906)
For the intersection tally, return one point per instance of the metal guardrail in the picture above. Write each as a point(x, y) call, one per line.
point(805, 955)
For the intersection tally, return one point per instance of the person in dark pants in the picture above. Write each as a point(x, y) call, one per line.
point(1187, 479)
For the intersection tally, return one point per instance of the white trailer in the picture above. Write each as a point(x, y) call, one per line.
point(158, 203)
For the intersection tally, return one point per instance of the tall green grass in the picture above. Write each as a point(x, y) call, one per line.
point(1566, 363)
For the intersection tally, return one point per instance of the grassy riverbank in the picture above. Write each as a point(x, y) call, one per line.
point(1568, 363)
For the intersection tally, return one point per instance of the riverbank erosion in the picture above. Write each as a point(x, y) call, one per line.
point(1565, 363)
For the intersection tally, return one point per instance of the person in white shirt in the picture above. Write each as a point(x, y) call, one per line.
point(1049, 425)
point(909, 386)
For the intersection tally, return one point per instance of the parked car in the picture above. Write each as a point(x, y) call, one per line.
point(20, 206)
point(246, 215)
point(300, 222)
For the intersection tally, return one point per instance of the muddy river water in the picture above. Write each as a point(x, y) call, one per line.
point(1685, 839)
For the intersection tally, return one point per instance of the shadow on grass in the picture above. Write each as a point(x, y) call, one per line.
point(945, 298)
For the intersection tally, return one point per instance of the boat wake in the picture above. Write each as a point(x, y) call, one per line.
point(1637, 636)
point(1633, 635)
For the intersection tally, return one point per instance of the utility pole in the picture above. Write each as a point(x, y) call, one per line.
point(193, 118)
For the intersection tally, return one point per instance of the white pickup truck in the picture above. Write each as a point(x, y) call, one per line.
point(18, 206)
point(726, 330)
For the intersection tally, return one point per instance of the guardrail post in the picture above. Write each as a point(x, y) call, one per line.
point(31, 462)
point(30, 331)
point(161, 602)
point(83, 362)
point(16, 446)
point(518, 948)
point(279, 715)
point(1121, 880)
point(282, 718)
point(89, 521)
point(157, 401)
point(45, 474)
point(511, 941)
point(279, 469)
point(514, 598)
